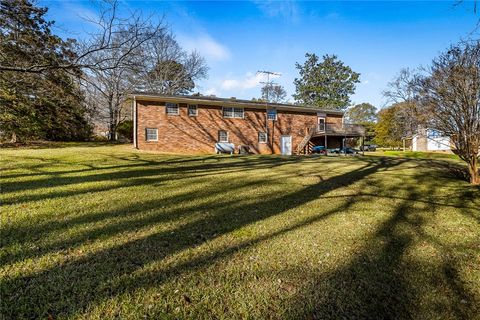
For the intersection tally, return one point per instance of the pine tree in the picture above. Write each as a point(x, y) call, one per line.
point(42, 104)
point(327, 84)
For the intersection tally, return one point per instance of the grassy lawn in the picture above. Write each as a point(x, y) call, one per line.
point(419, 155)
point(102, 232)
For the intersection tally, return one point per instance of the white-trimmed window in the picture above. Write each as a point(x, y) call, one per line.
point(172, 108)
point(230, 112)
point(192, 110)
point(151, 134)
point(272, 114)
point(262, 137)
point(222, 136)
point(238, 113)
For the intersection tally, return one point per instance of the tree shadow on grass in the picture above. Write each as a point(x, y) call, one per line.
point(134, 175)
point(58, 144)
point(385, 280)
point(70, 288)
point(147, 173)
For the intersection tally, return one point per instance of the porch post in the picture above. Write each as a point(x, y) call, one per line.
point(326, 147)
point(363, 145)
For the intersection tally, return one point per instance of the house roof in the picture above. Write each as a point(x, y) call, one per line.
point(229, 102)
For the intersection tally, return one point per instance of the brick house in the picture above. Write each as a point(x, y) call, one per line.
point(195, 124)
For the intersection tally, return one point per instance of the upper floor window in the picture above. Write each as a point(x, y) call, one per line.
point(192, 110)
point(151, 134)
point(222, 136)
point(272, 114)
point(172, 108)
point(231, 112)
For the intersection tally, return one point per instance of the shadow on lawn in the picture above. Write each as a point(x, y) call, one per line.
point(27, 295)
point(384, 281)
point(136, 174)
point(374, 287)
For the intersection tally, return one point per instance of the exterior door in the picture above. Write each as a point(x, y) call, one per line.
point(320, 124)
point(286, 143)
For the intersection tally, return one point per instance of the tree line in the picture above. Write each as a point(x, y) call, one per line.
point(444, 97)
point(58, 89)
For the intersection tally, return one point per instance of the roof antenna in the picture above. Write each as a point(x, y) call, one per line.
point(268, 83)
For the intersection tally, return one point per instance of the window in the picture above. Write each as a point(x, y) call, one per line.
point(262, 137)
point(272, 114)
point(192, 110)
point(151, 134)
point(230, 112)
point(238, 113)
point(222, 136)
point(172, 108)
point(432, 134)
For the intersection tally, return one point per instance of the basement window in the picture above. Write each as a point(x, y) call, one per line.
point(262, 137)
point(172, 108)
point(230, 112)
point(151, 134)
point(192, 110)
point(222, 136)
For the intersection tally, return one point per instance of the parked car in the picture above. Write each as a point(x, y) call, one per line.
point(369, 147)
point(319, 150)
point(346, 150)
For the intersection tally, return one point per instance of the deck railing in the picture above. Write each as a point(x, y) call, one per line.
point(339, 129)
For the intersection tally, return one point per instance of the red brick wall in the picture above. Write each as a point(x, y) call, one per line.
point(334, 118)
point(184, 134)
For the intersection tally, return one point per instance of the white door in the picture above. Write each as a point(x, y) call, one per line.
point(321, 124)
point(286, 143)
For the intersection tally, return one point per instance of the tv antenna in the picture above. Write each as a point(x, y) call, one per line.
point(268, 82)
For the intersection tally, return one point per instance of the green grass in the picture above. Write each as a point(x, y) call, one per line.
point(107, 232)
point(419, 155)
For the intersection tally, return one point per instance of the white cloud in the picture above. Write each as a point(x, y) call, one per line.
point(249, 81)
point(211, 91)
point(206, 45)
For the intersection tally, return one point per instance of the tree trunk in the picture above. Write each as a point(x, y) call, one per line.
point(113, 132)
point(13, 138)
point(473, 170)
point(112, 120)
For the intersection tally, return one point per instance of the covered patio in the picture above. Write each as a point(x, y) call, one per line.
point(331, 136)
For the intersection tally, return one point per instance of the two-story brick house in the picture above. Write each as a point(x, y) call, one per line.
point(194, 124)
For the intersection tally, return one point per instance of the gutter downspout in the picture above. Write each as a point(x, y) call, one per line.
point(134, 109)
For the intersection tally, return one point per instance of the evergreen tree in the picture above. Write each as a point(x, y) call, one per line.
point(327, 84)
point(42, 104)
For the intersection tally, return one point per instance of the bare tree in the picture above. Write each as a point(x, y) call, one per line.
point(272, 92)
point(168, 69)
point(449, 93)
point(402, 92)
point(115, 61)
point(107, 25)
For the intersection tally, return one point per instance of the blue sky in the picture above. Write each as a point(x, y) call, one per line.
point(238, 38)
